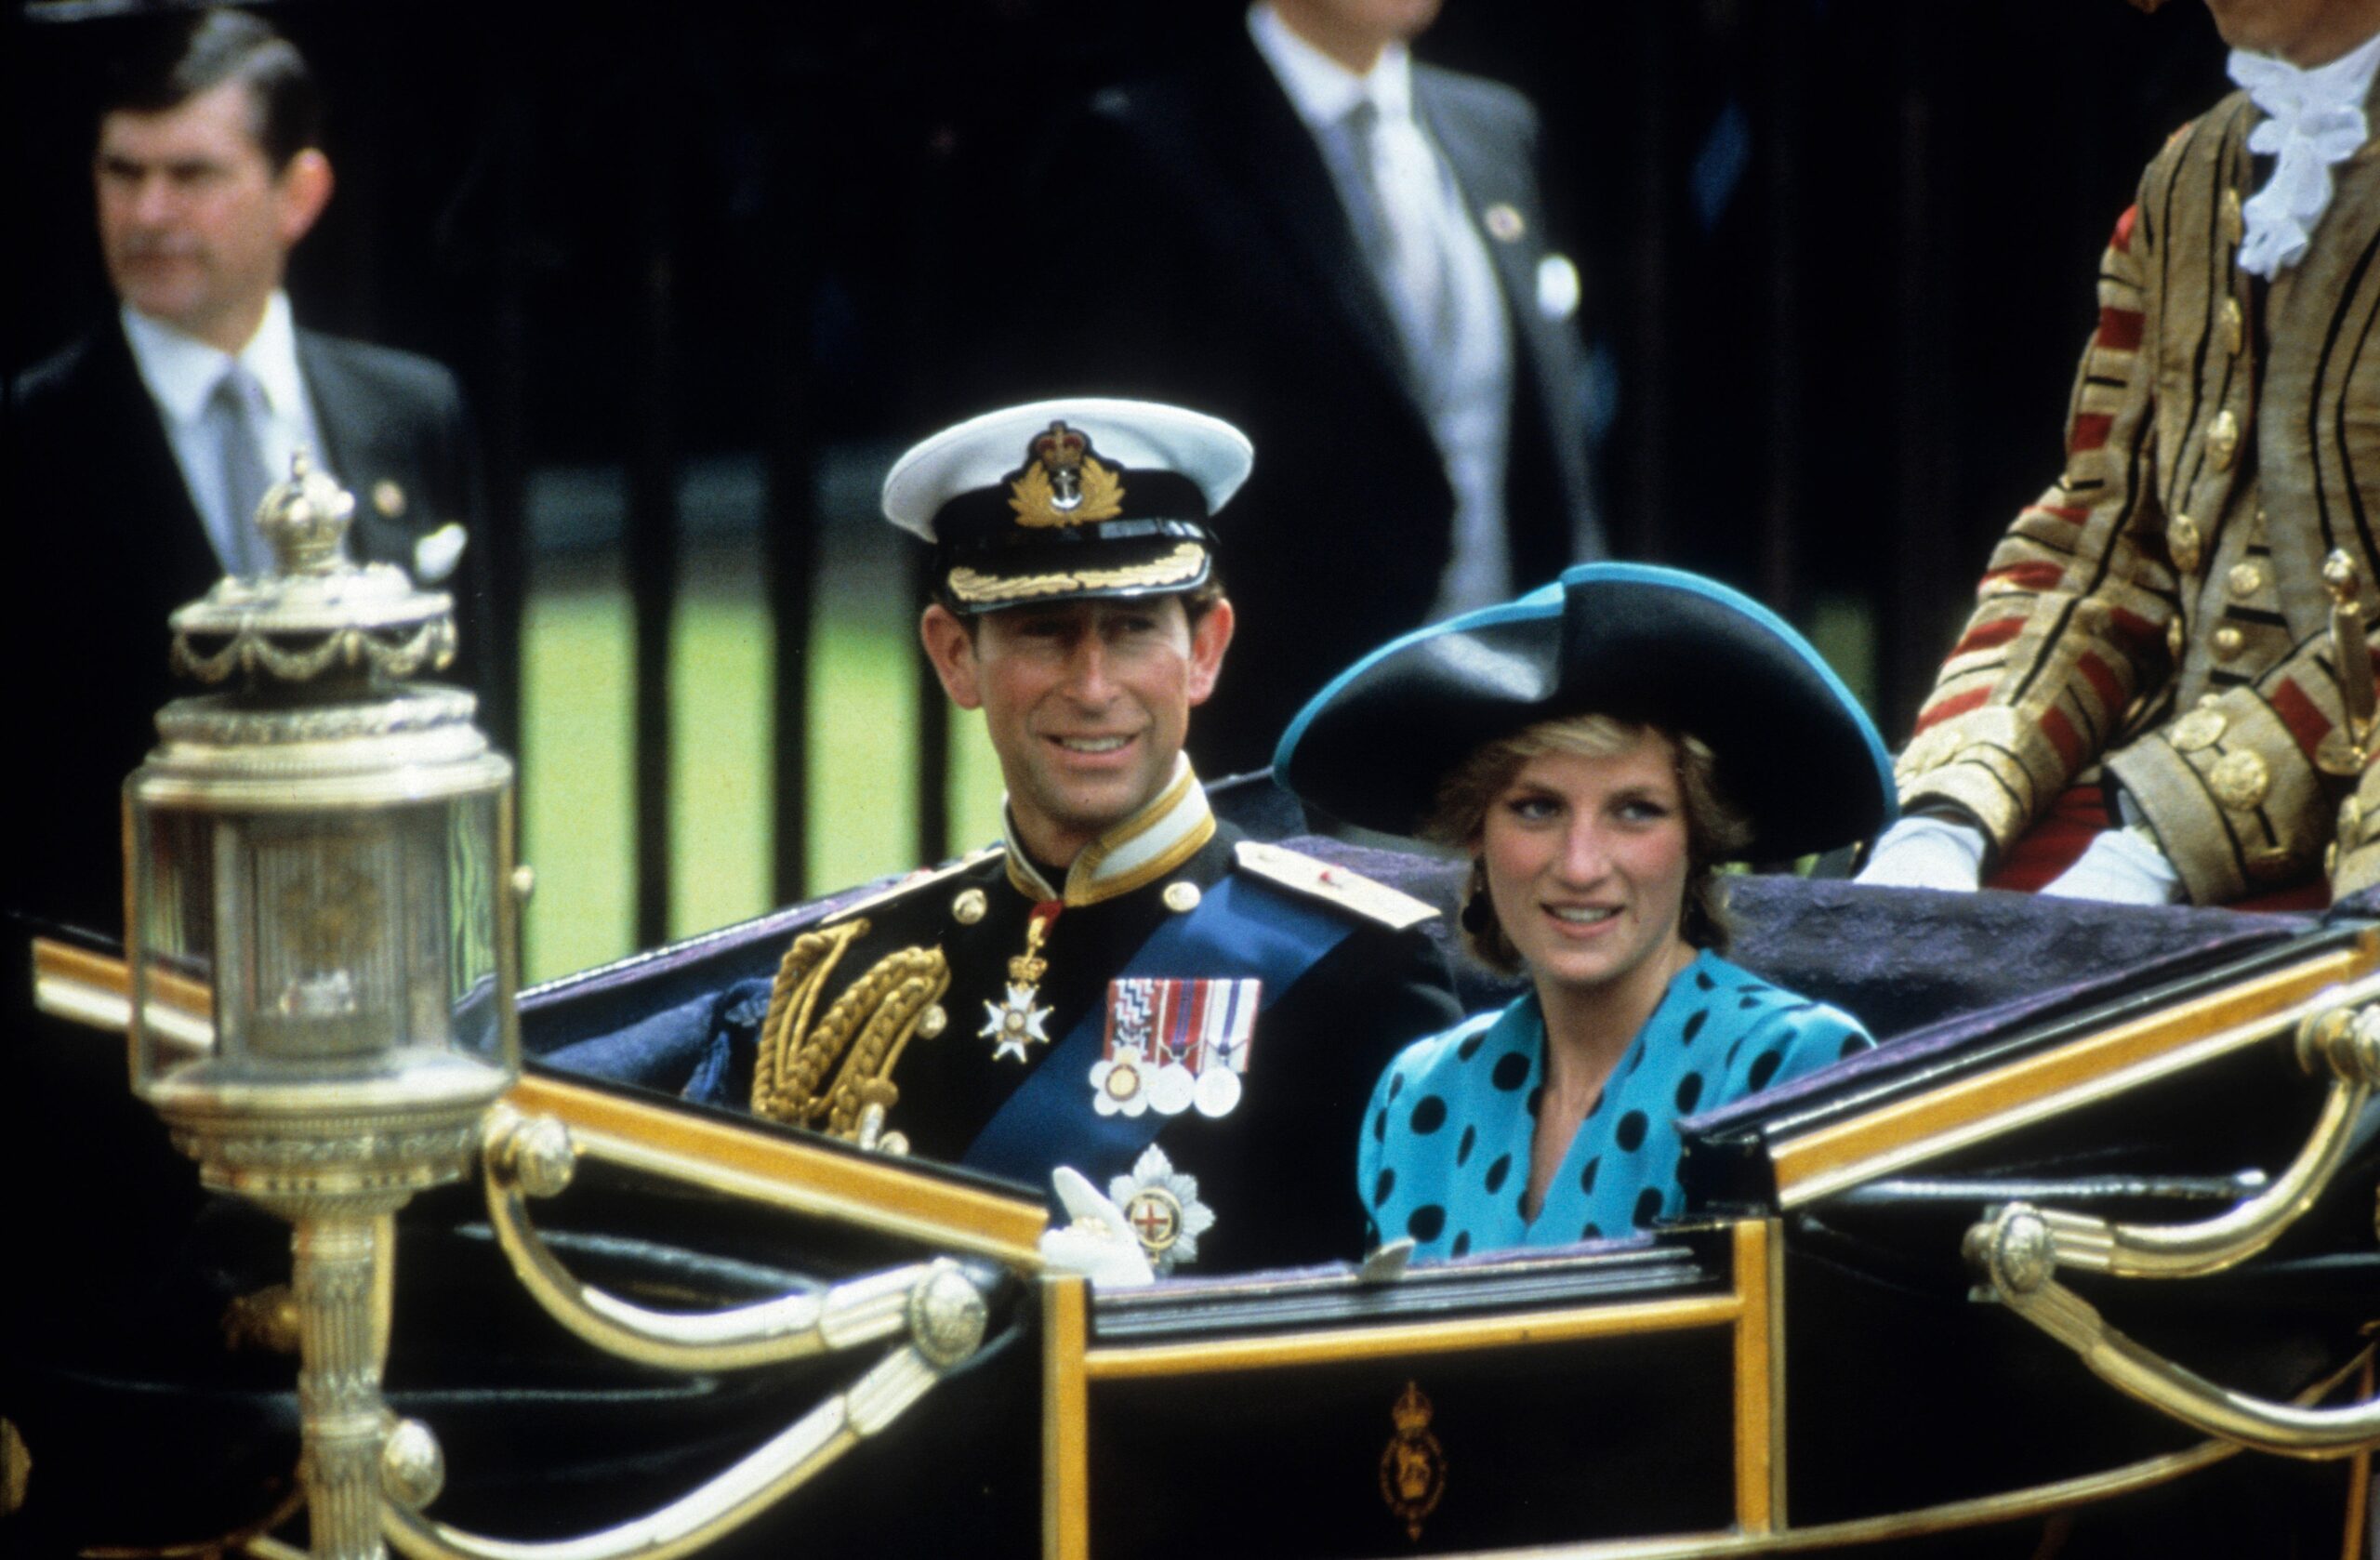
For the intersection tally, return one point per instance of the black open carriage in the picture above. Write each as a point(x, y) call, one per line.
point(2080, 1259)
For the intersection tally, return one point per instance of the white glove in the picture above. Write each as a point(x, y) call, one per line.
point(1097, 1243)
point(1923, 852)
point(2122, 867)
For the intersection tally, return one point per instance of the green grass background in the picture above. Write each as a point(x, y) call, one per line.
point(578, 805)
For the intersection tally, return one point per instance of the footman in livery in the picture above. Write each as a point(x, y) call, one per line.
point(2148, 703)
point(1123, 986)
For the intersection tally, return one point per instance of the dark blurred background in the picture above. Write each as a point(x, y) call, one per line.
point(703, 268)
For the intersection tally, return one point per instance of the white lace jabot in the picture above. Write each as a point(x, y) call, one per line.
point(2313, 120)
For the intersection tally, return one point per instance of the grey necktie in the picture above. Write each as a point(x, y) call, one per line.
point(1407, 244)
point(236, 413)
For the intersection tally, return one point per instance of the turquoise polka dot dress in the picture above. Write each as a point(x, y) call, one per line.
point(1446, 1147)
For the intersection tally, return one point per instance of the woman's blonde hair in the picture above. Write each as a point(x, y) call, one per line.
point(1716, 830)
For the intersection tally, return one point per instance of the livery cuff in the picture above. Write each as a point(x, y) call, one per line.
point(2354, 859)
point(2233, 801)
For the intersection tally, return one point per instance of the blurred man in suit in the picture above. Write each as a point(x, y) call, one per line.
point(137, 456)
point(1343, 252)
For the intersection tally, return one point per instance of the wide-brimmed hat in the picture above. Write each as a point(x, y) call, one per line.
point(1631, 640)
point(1060, 500)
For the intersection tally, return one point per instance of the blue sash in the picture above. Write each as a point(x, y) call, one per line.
point(1243, 927)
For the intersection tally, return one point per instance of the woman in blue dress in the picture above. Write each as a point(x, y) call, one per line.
point(1598, 748)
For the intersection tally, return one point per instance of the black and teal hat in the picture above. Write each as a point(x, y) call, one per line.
point(1060, 500)
point(1631, 640)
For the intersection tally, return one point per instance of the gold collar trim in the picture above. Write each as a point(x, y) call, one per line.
point(1134, 853)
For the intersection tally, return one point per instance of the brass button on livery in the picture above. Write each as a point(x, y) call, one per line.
point(2229, 643)
point(2182, 540)
point(2239, 780)
point(2235, 326)
point(2223, 439)
point(2245, 579)
point(968, 908)
point(2200, 728)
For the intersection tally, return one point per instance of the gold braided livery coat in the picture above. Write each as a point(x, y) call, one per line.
point(2161, 609)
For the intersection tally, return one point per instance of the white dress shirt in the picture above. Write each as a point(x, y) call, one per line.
point(1463, 380)
point(181, 373)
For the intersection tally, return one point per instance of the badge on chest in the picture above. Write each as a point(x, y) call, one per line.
point(1173, 1044)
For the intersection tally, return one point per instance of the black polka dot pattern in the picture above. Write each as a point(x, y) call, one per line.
point(1448, 1163)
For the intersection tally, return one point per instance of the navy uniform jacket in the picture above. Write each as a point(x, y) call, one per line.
point(109, 543)
point(1274, 1170)
point(1187, 245)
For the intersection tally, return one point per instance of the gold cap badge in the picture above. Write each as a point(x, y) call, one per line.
point(1063, 482)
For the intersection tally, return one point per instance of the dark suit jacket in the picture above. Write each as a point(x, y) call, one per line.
point(114, 543)
point(1185, 241)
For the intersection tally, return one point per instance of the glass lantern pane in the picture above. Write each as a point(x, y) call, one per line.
point(173, 867)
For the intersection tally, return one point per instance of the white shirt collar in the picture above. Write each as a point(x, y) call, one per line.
point(181, 370)
point(1322, 90)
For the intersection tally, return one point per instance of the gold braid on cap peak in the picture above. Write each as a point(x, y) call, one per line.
point(1183, 563)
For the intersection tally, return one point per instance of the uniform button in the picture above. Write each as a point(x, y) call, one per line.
point(2245, 579)
point(2223, 439)
point(2234, 224)
point(2235, 326)
point(1181, 897)
point(2174, 638)
point(2183, 541)
point(968, 908)
point(930, 1022)
point(2239, 780)
point(2201, 728)
point(2228, 642)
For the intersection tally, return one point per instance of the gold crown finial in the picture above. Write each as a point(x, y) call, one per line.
point(305, 518)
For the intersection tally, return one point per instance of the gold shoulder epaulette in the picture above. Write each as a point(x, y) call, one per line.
point(922, 878)
point(1293, 869)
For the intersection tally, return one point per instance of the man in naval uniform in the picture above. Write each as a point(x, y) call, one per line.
point(1124, 986)
point(2151, 673)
